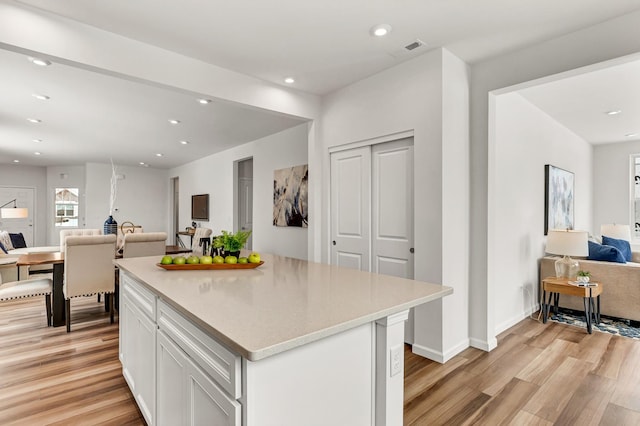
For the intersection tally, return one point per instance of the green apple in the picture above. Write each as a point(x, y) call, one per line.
point(218, 259)
point(254, 257)
point(231, 260)
point(243, 260)
point(192, 260)
point(179, 260)
point(206, 260)
point(166, 260)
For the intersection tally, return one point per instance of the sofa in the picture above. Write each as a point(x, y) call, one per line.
point(620, 284)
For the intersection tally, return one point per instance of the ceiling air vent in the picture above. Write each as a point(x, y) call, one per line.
point(411, 46)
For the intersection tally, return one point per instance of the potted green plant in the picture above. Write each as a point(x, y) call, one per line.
point(584, 276)
point(231, 243)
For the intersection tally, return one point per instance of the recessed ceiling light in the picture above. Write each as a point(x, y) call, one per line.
point(614, 112)
point(141, 163)
point(41, 62)
point(289, 80)
point(380, 30)
point(184, 142)
point(36, 153)
point(159, 154)
point(34, 120)
point(41, 97)
point(172, 121)
point(631, 135)
point(37, 140)
point(204, 101)
point(16, 161)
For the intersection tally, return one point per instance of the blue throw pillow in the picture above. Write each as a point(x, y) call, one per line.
point(3, 249)
point(622, 245)
point(17, 240)
point(605, 253)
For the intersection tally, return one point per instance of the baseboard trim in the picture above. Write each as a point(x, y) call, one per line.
point(429, 353)
point(484, 345)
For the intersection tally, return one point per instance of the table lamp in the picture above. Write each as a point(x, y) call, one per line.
point(614, 230)
point(567, 243)
point(14, 212)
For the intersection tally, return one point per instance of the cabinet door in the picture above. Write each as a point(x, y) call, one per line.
point(208, 403)
point(127, 341)
point(172, 370)
point(146, 367)
point(138, 347)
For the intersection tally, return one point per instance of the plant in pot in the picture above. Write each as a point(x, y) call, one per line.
point(230, 242)
point(584, 276)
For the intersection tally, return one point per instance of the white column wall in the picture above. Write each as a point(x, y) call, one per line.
point(525, 140)
point(417, 96)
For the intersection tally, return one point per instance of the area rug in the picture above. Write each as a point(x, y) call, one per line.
point(607, 325)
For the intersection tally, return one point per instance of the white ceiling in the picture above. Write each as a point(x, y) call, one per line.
point(324, 45)
point(581, 102)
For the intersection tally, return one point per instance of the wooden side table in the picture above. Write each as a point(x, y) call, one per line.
point(556, 286)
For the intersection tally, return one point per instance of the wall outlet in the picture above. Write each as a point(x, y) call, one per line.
point(396, 353)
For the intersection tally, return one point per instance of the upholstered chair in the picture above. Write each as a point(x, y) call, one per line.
point(146, 244)
point(65, 233)
point(196, 244)
point(89, 269)
point(28, 288)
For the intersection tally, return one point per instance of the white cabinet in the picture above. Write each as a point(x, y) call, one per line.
point(187, 393)
point(137, 345)
point(177, 373)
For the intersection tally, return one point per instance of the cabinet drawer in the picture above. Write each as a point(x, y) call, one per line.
point(218, 362)
point(140, 296)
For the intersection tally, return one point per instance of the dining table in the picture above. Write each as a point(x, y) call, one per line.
point(56, 259)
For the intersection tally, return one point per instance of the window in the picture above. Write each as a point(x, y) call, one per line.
point(66, 207)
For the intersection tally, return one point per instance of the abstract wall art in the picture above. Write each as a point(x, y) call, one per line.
point(559, 198)
point(290, 192)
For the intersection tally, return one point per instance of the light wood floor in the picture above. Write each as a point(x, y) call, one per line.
point(538, 375)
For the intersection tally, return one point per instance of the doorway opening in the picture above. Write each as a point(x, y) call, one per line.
point(243, 201)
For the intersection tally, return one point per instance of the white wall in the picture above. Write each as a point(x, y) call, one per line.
point(142, 196)
point(525, 140)
point(611, 184)
point(428, 96)
point(30, 177)
point(611, 39)
point(214, 175)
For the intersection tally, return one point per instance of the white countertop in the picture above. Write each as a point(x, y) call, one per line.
point(283, 304)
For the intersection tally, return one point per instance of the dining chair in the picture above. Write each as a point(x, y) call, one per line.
point(28, 288)
point(197, 244)
point(146, 244)
point(66, 233)
point(89, 269)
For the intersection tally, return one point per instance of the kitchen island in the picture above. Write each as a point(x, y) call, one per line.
point(289, 343)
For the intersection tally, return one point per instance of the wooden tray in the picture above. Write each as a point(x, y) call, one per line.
point(201, 267)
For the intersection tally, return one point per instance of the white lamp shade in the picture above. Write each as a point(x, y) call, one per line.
point(614, 230)
point(568, 242)
point(14, 213)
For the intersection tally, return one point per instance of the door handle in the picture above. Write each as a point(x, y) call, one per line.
point(411, 250)
point(334, 242)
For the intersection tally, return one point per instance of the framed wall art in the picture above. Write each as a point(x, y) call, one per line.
point(290, 192)
point(558, 198)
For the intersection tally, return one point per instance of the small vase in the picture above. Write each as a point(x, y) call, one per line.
point(583, 279)
point(110, 226)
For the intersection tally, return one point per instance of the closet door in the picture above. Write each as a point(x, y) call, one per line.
point(350, 208)
point(392, 208)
